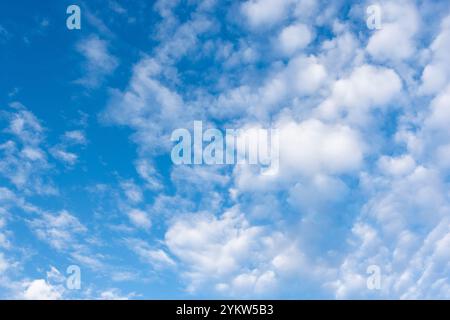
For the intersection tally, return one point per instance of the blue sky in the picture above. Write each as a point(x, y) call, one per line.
point(87, 179)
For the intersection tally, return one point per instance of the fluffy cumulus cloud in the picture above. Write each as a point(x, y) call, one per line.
point(435, 74)
point(314, 147)
point(261, 13)
point(294, 38)
point(41, 290)
point(353, 97)
point(396, 40)
point(358, 206)
point(222, 254)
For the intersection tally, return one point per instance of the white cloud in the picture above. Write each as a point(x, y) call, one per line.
point(301, 77)
point(179, 40)
point(341, 52)
point(212, 246)
point(69, 139)
point(147, 106)
point(255, 282)
point(116, 7)
point(59, 230)
point(4, 242)
point(82, 255)
point(403, 229)
point(148, 173)
point(227, 255)
point(4, 264)
point(196, 178)
point(436, 74)
point(397, 166)
point(139, 218)
point(306, 8)
point(430, 143)
point(294, 37)
point(315, 147)
point(64, 156)
point(75, 137)
point(312, 154)
point(24, 125)
point(99, 62)
point(439, 116)
point(402, 226)
point(306, 75)
point(132, 191)
point(319, 193)
point(41, 290)
point(263, 13)
point(54, 276)
point(223, 254)
point(395, 41)
point(158, 258)
point(33, 154)
point(114, 294)
point(23, 159)
point(366, 88)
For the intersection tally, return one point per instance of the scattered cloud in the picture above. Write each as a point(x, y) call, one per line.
point(99, 62)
